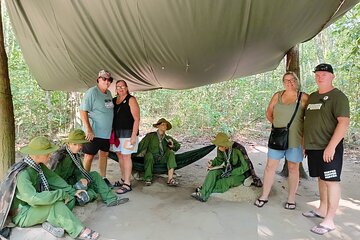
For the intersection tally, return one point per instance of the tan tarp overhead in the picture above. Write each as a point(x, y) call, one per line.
point(174, 44)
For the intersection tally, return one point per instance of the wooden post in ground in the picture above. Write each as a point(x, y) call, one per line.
point(293, 64)
point(7, 126)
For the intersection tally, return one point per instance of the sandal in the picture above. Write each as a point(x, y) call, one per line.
point(197, 196)
point(148, 182)
point(290, 206)
point(88, 234)
point(118, 184)
point(260, 203)
point(118, 201)
point(172, 183)
point(124, 189)
point(198, 189)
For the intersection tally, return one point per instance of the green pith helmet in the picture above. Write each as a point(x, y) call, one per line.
point(222, 140)
point(76, 136)
point(39, 146)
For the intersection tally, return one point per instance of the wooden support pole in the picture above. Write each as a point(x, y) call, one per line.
point(7, 126)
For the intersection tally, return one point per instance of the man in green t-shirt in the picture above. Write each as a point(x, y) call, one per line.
point(326, 122)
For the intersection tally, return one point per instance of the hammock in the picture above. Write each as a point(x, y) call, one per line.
point(182, 159)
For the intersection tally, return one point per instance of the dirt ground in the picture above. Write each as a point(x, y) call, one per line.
point(161, 212)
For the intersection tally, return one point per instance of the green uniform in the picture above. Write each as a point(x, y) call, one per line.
point(31, 207)
point(67, 169)
point(215, 184)
point(150, 144)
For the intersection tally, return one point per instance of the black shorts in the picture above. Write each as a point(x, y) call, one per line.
point(326, 171)
point(95, 145)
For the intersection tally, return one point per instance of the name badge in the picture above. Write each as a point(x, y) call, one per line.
point(315, 106)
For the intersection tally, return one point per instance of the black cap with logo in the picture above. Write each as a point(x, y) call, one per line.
point(324, 67)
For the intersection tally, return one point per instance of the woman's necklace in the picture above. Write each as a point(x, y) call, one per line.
point(120, 99)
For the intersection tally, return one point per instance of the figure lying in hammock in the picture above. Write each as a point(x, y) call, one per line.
point(228, 169)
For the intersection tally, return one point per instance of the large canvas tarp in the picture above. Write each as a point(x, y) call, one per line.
point(174, 44)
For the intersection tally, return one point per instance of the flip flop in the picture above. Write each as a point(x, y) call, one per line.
point(260, 203)
point(312, 214)
point(124, 189)
point(173, 183)
point(321, 230)
point(197, 196)
point(290, 206)
point(91, 235)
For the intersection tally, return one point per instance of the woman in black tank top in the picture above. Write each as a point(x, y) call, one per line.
point(126, 128)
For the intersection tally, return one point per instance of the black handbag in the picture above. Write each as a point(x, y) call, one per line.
point(279, 137)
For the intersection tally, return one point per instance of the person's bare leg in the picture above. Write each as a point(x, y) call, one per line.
point(269, 175)
point(103, 162)
point(323, 191)
point(170, 174)
point(333, 198)
point(293, 180)
point(121, 163)
point(88, 161)
point(127, 166)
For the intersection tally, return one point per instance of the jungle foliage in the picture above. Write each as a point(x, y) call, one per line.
point(236, 106)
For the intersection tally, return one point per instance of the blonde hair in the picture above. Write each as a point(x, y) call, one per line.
point(293, 74)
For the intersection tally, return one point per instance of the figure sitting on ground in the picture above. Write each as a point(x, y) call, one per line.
point(33, 194)
point(67, 164)
point(159, 147)
point(228, 169)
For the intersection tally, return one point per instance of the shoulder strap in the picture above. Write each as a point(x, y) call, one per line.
point(296, 108)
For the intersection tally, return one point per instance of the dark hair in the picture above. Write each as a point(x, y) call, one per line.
point(127, 91)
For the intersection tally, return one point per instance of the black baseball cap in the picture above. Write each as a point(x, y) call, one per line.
point(324, 67)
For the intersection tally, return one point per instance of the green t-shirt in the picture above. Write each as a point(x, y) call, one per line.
point(321, 117)
point(100, 110)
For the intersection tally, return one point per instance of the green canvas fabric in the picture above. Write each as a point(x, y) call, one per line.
point(162, 43)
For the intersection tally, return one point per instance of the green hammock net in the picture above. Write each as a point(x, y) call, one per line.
point(186, 158)
point(182, 159)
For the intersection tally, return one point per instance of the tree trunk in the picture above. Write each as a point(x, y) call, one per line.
point(292, 64)
point(7, 126)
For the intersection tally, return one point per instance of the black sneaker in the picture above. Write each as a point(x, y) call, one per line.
point(108, 183)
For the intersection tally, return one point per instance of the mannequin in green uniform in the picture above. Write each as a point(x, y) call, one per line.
point(159, 147)
point(42, 196)
point(226, 170)
point(63, 162)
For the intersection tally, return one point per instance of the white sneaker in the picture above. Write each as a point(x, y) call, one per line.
point(248, 181)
